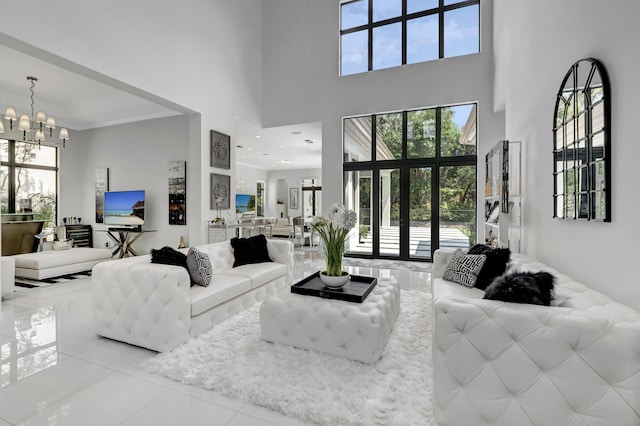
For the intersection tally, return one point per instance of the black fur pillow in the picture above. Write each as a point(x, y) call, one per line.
point(522, 287)
point(250, 250)
point(494, 266)
point(169, 256)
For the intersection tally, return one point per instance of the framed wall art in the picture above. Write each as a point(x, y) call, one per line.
point(220, 191)
point(293, 198)
point(177, 192)
point(220, 150)
point(101, 179)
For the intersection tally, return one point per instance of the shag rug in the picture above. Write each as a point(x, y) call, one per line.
point(232, 360)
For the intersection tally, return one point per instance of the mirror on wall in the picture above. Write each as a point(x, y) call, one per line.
point(582, 144)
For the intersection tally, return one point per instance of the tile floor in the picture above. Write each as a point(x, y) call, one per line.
point(54, 369)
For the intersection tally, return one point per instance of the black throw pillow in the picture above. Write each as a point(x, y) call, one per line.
point(250, 250)
point(494, 266)
point(169, 256)
point(522, 287)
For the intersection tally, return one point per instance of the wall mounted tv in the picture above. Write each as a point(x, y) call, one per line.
point(245, 203)
point(124, 209)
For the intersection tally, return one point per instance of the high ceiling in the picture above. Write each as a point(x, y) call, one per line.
point(80, 103)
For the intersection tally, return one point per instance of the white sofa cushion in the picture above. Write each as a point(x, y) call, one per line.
point(223, 287)
point(259, 273)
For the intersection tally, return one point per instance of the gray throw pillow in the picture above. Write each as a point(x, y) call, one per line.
point(199, 266)
point(464, 268)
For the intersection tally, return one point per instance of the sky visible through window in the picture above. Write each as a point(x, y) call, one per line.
point(461, 34)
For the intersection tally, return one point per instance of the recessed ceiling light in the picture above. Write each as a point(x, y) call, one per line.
point(239, 146)
point(265, 153)
point(257, 136)
point(281, 146)
point(249, 149)
point(296, 133)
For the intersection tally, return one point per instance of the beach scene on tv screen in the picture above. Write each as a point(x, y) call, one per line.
point(245, 203)
point(124, 208)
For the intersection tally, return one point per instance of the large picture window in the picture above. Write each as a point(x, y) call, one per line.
point(28, 180)
point(411, 178)
point(377, 34)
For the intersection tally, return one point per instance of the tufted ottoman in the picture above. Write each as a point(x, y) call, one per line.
point(357, 331)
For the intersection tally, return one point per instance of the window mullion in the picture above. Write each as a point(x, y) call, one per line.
point(404, 33)
point(441, 30)
point(370, 35)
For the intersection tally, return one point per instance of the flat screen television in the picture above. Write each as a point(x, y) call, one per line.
point(124, 209)
point(245, 203)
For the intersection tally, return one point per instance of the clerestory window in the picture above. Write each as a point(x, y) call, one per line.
point(377, 34)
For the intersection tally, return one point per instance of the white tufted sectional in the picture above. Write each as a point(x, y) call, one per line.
point(498, 363)
point(154, 306)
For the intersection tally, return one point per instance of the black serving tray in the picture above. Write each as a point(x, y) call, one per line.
point(355, 290)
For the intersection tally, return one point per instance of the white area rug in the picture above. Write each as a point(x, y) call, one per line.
point(314, 387)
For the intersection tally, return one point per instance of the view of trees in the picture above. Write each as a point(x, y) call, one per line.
point(35, 185)
point(458, 184)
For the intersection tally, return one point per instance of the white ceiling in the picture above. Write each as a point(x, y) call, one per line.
point(280, 148)
point(78, 102)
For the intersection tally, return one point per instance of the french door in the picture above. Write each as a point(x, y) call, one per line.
point(414, 189)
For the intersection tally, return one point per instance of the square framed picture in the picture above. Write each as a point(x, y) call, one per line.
point(220, 191)
point(220, 150)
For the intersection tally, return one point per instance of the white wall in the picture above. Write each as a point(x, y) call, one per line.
point(301, 82)
point(203, 55)
point(250, 175)
point(293, 179)
point(542, 39)
point(137, 156)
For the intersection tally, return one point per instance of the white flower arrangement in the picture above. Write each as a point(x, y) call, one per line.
point(333, 230)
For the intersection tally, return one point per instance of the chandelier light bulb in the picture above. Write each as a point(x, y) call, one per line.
point(10, 114)
point(25, 123)
point(41, 117)
point(33, 126)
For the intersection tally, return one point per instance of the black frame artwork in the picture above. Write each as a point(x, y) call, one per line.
point(582, 144)
point(101, 182)
point(220, 189)
point(220, 150)
point(293, 198)
point(177, 192)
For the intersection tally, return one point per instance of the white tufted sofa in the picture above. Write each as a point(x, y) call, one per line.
point(154, 306)
point(498, 363)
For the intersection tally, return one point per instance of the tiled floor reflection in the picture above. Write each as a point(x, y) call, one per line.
point(54, 369)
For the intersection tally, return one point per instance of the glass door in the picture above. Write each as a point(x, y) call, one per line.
point(419, 194)
point(389, 219)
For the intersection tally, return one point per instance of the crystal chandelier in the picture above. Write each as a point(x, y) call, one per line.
point(34, 128)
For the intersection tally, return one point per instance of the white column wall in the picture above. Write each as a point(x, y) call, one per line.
point(203, 55)
point(537, 43)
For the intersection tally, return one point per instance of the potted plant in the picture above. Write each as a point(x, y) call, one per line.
point(333, 230)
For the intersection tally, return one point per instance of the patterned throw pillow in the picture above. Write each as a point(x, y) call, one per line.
point(199, 266)
point(464, 268)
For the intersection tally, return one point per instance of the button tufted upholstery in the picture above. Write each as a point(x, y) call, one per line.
point(501, 363)
point(154, 306)
point(358, 331)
